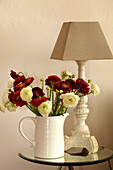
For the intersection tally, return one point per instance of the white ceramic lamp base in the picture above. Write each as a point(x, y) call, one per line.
point(80, 136)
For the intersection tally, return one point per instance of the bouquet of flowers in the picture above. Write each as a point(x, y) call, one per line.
point(61, 93)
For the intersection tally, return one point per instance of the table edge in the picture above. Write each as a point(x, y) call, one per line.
point(66, 163)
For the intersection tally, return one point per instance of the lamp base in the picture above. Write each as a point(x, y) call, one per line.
point(81, 135)
point(79, 139)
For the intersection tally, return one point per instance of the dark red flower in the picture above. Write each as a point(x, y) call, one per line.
point(56, 85)
point(19, 86)
point(14, 75)
point(65, 86)
point(37, 102)
point(71, 82)
point(37, 91)
point(82, 86)
point(19, 79)
point(52, 78)
point(10, 96)
point(17, 99)
point(28, 81)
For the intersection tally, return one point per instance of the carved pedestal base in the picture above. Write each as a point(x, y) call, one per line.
point(81, 140)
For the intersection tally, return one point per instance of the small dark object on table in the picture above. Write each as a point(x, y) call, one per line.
point(77, 151)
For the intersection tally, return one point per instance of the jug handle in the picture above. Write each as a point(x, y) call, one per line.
point(21, 128)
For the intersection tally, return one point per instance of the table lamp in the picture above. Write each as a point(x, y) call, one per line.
point(81, 41)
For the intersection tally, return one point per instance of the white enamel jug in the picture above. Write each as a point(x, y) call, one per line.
point(49, 136)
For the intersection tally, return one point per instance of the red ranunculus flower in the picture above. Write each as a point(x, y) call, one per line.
point(37, 102)
point(17, 99)
point(28, 81)
point(65, 86)
point(52, 78)
point(14, 75)
point(82, 86)
point(71, 82)
point(19, 79)
point(21, 82)
point(19, 86)
point(56, 85)
point(22, 79)
point(37, 91)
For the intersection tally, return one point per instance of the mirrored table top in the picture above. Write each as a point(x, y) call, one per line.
point(101, 156)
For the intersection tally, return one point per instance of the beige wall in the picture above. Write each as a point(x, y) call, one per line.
point(28, 31)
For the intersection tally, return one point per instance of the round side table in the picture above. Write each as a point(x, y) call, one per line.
point(102, 155)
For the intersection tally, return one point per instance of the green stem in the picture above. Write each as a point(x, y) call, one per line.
point(66, 110)
point(31, 86)
point(50, 93)
point(52, 85)
point(42, 80)
point(33, 109)
point(52, 97)
point(21, 73)
point(85, 94)
point(6, 103)
point(42, 85)
point(57, 109)
point(61, 110)
point(57, 103)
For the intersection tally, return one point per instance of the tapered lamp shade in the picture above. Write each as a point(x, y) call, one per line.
point(81, 41)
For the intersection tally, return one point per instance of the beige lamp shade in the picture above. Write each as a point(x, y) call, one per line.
point(81, 41)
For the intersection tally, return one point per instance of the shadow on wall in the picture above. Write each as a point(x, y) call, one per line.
point(100, 119)
point(69, 122)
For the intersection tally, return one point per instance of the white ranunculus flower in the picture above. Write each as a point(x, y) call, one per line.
point(45, 108)
point(5, 98)
point(11, 83)
point(11, 107)
point(26, 94)
point(95, 89)
point(2, 107)
point(69, 99)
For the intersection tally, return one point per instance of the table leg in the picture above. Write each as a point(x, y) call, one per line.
point(109, 165)
point(60, 167)
point(71, 167)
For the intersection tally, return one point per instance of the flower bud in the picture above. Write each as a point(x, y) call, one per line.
point(57, 91)
point(73, 76)
point(42, 79)
point(61, 91)
point(47, 88)
point(89, 81)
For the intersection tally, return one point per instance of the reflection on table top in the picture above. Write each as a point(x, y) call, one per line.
point(101, 156)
